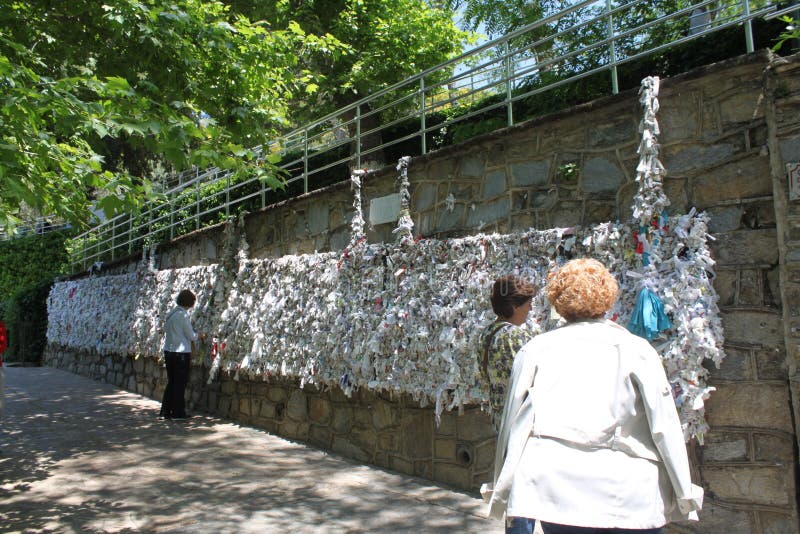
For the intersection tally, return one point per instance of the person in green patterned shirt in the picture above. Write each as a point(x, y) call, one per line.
point(500, 340)
point(498, 344)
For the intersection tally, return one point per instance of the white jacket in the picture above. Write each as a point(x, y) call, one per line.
point(179, 331)
point(590, 435)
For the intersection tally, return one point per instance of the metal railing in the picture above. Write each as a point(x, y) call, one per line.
point(35, 226)
point(473, 93)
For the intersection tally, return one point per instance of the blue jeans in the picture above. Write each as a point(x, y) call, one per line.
point(554, 528)
point(519, 525)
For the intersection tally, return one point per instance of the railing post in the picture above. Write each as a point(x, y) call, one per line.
point(612, 51)
point(83, 256)
point(113, 238)
point(748, 27)
point(358, 137)
point(227, 194)
point(422, 115)
point(197, 204)
point(171, 216)
point(305, 160)
point(509, 75)
point(130, 234)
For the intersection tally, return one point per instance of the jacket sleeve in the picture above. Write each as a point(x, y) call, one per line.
point(186, 327)
point(665, 429)
point(514, 430)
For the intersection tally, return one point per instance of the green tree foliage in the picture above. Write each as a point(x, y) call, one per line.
point(28, 266)
point(387, 41)
point(29, 260)
point(90, 91)
point(25, 315)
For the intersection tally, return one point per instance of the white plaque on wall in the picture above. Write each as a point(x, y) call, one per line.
point(384, 209)
point(793, 170)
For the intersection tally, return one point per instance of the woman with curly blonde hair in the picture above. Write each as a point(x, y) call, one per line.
point(590, 441)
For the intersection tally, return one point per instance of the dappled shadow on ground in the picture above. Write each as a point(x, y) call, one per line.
point(78, 455)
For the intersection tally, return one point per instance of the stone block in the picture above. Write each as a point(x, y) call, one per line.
point(318, 217)
point(522, 221)
point(725, 284)
point(613, 132)
point(400, 464)
point(497, 155)
point(244, 407)
point(772, 292)
point(474, 425)
point(472, 166)
point(530, 173)
point(444, 449)
point(765, 485)
point(678, 116)
point(297, 407)
point(224, 406)
point(681, 159)
point(773, 448)
point(790, 149)
point(738, 180)
point(749, 405)
point(566, 214)
point(543, 199)
point(771, 363)
point(276, 394)
point(294, 429)
point(423, 469)
point(450, 219)
point(725, 447)
point(601, 175)
point(452, 474)
point(342, 418)
point(365, 439)
point(599, 212)
point(750, 282)
point(484, 455)
point(725, 218)
point(319, 410)
point(267, 410)
point(746, 247)
point(741, 106)
point(438, 169)
point(384, 415)
point(716, 519)
point(562, 136)
point(424, 196)
point(447, 424)
point(776, 523)
point(483, 214)
point(417, 433)
point(389, 442)
point(363, 416)
point(737, 365)
point(494, 184)
point(753, 327)
point(320, 436)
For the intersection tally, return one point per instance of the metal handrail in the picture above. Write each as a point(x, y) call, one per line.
point(500, 66)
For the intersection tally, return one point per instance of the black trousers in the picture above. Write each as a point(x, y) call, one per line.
point(173, 403)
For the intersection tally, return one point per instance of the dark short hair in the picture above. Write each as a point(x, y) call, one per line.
point(510, 291)
point(186, 299)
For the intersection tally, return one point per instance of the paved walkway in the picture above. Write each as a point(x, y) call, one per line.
point(80, 456)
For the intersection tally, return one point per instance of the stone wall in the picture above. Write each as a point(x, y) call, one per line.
point(727, 131)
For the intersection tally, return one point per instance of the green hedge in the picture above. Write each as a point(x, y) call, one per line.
point(28, 266)
point(25, 315)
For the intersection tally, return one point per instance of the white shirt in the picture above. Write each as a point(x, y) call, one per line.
point(590, 435)
point(179, 331)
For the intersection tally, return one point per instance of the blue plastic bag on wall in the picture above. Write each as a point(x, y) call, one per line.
point(648, 317)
